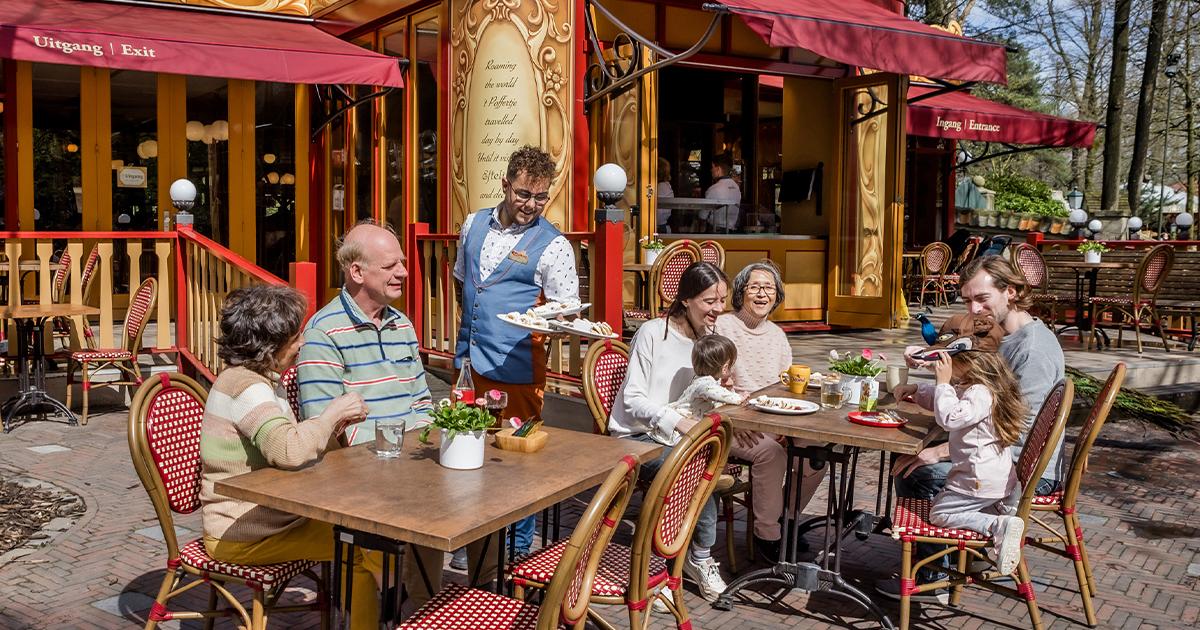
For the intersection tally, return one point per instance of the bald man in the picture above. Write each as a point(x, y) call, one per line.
point(360, 343)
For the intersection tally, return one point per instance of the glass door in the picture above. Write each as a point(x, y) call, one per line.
point(865, 234)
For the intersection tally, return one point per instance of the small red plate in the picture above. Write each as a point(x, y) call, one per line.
point(874, 419)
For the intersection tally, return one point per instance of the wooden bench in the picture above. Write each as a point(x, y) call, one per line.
point(1178, 301)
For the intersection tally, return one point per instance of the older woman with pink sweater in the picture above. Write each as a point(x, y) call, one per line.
point(763, 352)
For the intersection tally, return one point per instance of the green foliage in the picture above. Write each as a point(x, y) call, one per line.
point(1019, 194)
point(457, 418)
point(865, 364)
point(1092, 246)
point(1138, 406)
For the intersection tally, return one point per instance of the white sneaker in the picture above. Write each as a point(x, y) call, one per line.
point(1006, 543)
point(706, 573)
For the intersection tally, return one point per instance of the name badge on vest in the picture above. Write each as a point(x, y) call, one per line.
point(519, 257)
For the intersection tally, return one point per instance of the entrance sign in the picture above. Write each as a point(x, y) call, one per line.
point(961, 116)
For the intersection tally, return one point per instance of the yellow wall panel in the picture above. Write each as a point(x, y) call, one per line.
point(809, 109)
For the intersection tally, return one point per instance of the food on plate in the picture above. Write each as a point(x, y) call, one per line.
point(526, 319)
point(785, 404)
point(816, 378)
point(553, 308)
point(601, 328)
point(585, 327)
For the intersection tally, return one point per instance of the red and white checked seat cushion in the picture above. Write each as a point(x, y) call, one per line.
point(194, 555)
point(1044, 297)
point(457, 607)
point(912, 517)
point(733, 470)
point(635, 313)
point(1054, 498)
point(1121, 301)
point(612, 575)
point(101, 355)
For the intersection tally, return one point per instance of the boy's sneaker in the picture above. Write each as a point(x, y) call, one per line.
point(1006, 543)
point(458, 560)
point(706, 573)
point(890, 588)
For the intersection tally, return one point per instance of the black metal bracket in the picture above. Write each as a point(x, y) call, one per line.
point(988, 153)
point(606, 77)
point(875, 109)
point(350, 101)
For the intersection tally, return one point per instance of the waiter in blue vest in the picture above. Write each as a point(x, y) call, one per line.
point(511, 259)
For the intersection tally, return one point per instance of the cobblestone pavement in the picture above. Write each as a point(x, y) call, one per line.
point(1139, 507)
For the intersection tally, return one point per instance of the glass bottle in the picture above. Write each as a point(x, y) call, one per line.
point(464, 389)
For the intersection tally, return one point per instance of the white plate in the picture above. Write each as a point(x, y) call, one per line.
point(503, 317)
point(801, 407)
point(574, 310)
point(569, 328)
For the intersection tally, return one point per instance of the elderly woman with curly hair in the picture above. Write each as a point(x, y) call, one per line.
point(763, 352)
point(248, 425)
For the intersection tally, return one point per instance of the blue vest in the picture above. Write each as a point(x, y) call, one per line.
point(499, 351)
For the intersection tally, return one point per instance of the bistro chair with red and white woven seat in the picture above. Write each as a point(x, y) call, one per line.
point(124, 359)
point(910, 522)
point(664, 280)
point(635, 575)
point(712, 252)
point(1068, 542)
point(164, 443)
point(604, 369)
point(1143, 304)
point(935, 259)
point(575, 571)
point(291, 389)
point(1031, 263)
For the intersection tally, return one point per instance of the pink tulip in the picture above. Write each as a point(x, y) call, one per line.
point(866, 354)
point(494, 394)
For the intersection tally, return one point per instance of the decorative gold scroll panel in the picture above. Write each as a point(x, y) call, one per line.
point(862, 231)
point(511, 85)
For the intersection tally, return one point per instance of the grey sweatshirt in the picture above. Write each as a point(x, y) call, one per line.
point(1036, 358)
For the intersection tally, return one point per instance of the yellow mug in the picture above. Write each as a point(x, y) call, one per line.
point(796, 378)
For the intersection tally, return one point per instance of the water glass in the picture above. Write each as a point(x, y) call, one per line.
point(831, 392)
point(389, 439)
point(896, 375)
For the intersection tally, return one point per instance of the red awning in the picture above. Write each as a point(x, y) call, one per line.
point(182, 41)
point(864, 34)
point(960, 116)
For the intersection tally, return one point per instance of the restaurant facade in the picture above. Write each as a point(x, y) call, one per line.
point(299, 119)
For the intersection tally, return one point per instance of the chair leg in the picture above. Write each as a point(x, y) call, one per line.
point(1136, 322)
point(1092, 332)
point(84, 387)
point(70, 380)
point(212, 607)
point(956, 590)
point(906, 577)
point(1025, 587)
point(258, 615)
point(1081, 576)
point(750, 518)
point(727, 508)
point(683, 620)
point(170, 579)
point(1162, 334)
point(1087, 566)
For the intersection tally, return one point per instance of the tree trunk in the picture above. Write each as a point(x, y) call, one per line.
point(1116, 101)
point(1141, 134)
point(1093, 35)
point(1190, 104)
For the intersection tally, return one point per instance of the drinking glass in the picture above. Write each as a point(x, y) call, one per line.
point(896, 375)
point(389, 439)
point(831, 392)
point(496, 401)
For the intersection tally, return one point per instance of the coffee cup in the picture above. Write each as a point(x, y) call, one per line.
point(796, 378)
point(896, 375)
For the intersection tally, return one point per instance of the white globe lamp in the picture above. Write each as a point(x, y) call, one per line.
point(183, 197)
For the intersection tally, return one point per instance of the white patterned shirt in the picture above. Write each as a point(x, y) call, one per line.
point(555, 272)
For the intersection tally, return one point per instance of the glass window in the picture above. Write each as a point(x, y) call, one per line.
point(3, 180)
point(57, 170)
point(426, 153)
point(337, 188)
point(395, 43)
point(134, 150)
point(362, 167)
point(275, 176)
point(208, 154)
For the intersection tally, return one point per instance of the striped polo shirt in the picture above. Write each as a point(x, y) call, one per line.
point(344, 351)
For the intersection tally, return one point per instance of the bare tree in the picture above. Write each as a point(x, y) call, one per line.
point(1116, 102)
point(941, 12)
point(1145, 109)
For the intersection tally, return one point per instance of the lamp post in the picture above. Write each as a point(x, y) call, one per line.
point(1134, 225)
point(1094, 226)
point(610, 183)
point(1183, 221)
point(1170, 70)
point(607, 298)
point(183, 197)
point(1078, 216)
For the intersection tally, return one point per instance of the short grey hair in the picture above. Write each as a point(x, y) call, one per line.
point(348, 253)
point(256, 322)
point(743, 280)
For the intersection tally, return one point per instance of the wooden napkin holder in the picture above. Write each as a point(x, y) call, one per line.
point(532, 443)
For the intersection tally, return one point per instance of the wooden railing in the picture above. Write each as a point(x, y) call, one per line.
point(208, 273)
point(435, 304)
point(28, 265)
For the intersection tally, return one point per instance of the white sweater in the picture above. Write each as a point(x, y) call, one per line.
point(702, 396)
point(659, 372)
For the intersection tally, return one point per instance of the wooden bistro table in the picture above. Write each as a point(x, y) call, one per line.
point(835, 443)
point(1090, 271)
point(378, 503)
point(31, 396)
point(642, 271)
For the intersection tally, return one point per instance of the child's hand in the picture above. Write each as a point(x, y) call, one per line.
point(943, 368)
point(904, 392)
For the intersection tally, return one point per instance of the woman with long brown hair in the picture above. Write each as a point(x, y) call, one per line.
point(660, 368)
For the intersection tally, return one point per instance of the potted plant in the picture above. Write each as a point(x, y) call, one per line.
point(651, 248)
point(857, 370)
point(464, 429)
point(1092, 250)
